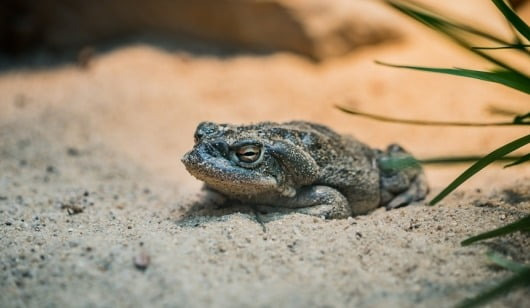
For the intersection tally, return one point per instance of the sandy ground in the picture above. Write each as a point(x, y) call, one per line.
point(90, 180)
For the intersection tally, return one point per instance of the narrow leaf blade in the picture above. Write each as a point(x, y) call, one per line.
point(383, 118)
point(519, 161)
point(522, 224)
point(457, 32)
point(519, 279)
point(523, 118)
point(511, 46)
point(505, 263)
point(430, 18)
point(480, 164)
point(508, 78)
point(463, 159)
point(512, 17)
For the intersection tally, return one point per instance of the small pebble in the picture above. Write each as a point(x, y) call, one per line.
point(72, 151)
point(142, 261)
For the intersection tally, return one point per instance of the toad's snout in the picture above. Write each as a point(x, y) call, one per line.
point(205, 152)
point(208, 162)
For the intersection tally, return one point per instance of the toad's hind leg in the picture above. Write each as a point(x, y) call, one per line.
point(319, 200)
point(402, 178)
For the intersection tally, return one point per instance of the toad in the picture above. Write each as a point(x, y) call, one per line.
point(303, 167)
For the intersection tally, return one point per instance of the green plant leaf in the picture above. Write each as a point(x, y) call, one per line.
point(511, 46)
point(519, 279)
point(423, 122)
point(512, 17)
point(465, 159)
point(479, 165)
point(522, 224)
point(505, 263)
point(518, 161)
point(399, 162)
point(508, 78)
point(507, 75)
point(457, 32)
point(428, 17)
point(523, 118)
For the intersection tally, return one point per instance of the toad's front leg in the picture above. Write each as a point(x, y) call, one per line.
point(321, 201)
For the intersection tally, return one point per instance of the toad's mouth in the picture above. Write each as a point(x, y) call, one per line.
point(222, 174)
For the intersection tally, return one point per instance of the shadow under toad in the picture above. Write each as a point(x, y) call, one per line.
point(212, 206)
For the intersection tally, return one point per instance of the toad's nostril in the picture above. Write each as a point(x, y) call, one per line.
point(221, 146)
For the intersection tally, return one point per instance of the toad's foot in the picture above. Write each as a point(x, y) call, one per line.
point(417, 191)
point(402, 178)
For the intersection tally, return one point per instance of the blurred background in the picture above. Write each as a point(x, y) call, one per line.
point(138, 76)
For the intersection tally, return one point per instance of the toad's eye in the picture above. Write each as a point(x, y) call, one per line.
point(249, 153)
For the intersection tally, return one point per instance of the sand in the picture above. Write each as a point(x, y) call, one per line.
point(97, 210)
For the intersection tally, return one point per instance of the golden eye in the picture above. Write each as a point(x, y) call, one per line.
point(248, 153)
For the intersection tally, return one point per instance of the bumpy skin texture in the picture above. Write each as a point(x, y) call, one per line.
point(302, 167)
